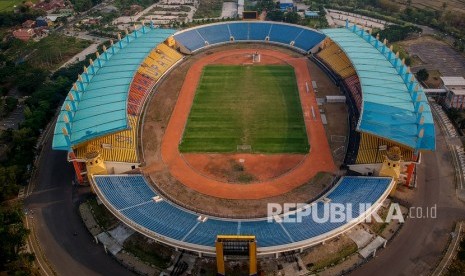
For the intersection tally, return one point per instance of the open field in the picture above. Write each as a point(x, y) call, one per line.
point(7, 5)
point(246, 105)
point(48, 53)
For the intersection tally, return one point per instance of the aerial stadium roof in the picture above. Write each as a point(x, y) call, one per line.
point(394, 105)
point(96, 105)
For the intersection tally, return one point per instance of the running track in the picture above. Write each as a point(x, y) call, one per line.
point(319, 158)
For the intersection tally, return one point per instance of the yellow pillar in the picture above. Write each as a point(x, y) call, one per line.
point(253, 258)
point(220, 259)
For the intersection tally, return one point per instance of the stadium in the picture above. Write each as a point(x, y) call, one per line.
point(186, 135)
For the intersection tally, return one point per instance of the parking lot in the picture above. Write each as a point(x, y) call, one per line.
point(436, 55)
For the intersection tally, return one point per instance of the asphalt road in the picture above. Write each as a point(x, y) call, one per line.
point(420, 243)
point(54, 202)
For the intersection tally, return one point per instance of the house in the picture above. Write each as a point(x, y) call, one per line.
point(50, 5)
point(286, 5)
point(41, 22)
point(312, 14)
point(28, 24)
point(455, 92)
point(24, 34)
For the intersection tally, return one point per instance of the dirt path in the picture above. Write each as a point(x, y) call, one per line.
point(319, 158)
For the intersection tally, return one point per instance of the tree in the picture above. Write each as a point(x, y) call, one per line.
point(292, 17)
point(422, 75)
point(13, 236)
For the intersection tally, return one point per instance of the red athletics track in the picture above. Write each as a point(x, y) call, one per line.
point(319, 158)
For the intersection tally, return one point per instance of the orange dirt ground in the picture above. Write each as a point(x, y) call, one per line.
point(290, 177)
point(261, 167)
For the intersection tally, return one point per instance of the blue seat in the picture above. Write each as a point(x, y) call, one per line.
point(215, 33)
point(205, 233)
point(240, 31)
point(284, 33)
point(259, 31)
point(308, 39)
point(132, 196)
point(191, 39)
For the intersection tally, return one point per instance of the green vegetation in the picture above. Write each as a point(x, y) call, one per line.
point(27, 68)
point(334, 258)
point(84, 5)
point(395, 33)
point(13, 236)
point(7, 105)
point(8, 5)
point(148, 251)
point(275, 14)
point(457, 116)
point(246, 105)
point(457, 267)
point(9, 19)
point(422, 75)
point(48, 53)
point(209, 9)
point(445, 16)
point(104, 218)
point(125, 4)
point(402, 53)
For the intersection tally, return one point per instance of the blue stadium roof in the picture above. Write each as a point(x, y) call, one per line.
point(99, 99)
point(392, 98)
point(298, 37)
point(131, 198)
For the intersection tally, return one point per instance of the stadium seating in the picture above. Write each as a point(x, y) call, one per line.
point(239, 31)
point(140, 87)
point(117, 147)
point(135, 189)
point(191, 39)
point(163, 219)
point(302, 38)
point(159, 61)
point(154, 66)
point(284, 33)
point(132, 196)
point(335, 58)
point(353, 83)
point(215, 34)
point(369, 153)
point(121, 146)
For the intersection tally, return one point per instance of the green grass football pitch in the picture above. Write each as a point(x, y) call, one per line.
point(256, 106)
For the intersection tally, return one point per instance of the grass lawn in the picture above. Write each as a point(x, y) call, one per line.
point(7, 5)
point(246, 105)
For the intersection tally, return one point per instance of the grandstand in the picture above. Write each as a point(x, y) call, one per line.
point(392, 100)
point(132, 200)
point(299, 38)
point(102, 110)
point(336, 59)
point(117, 147)
point(391, 108)
point(102, 113)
